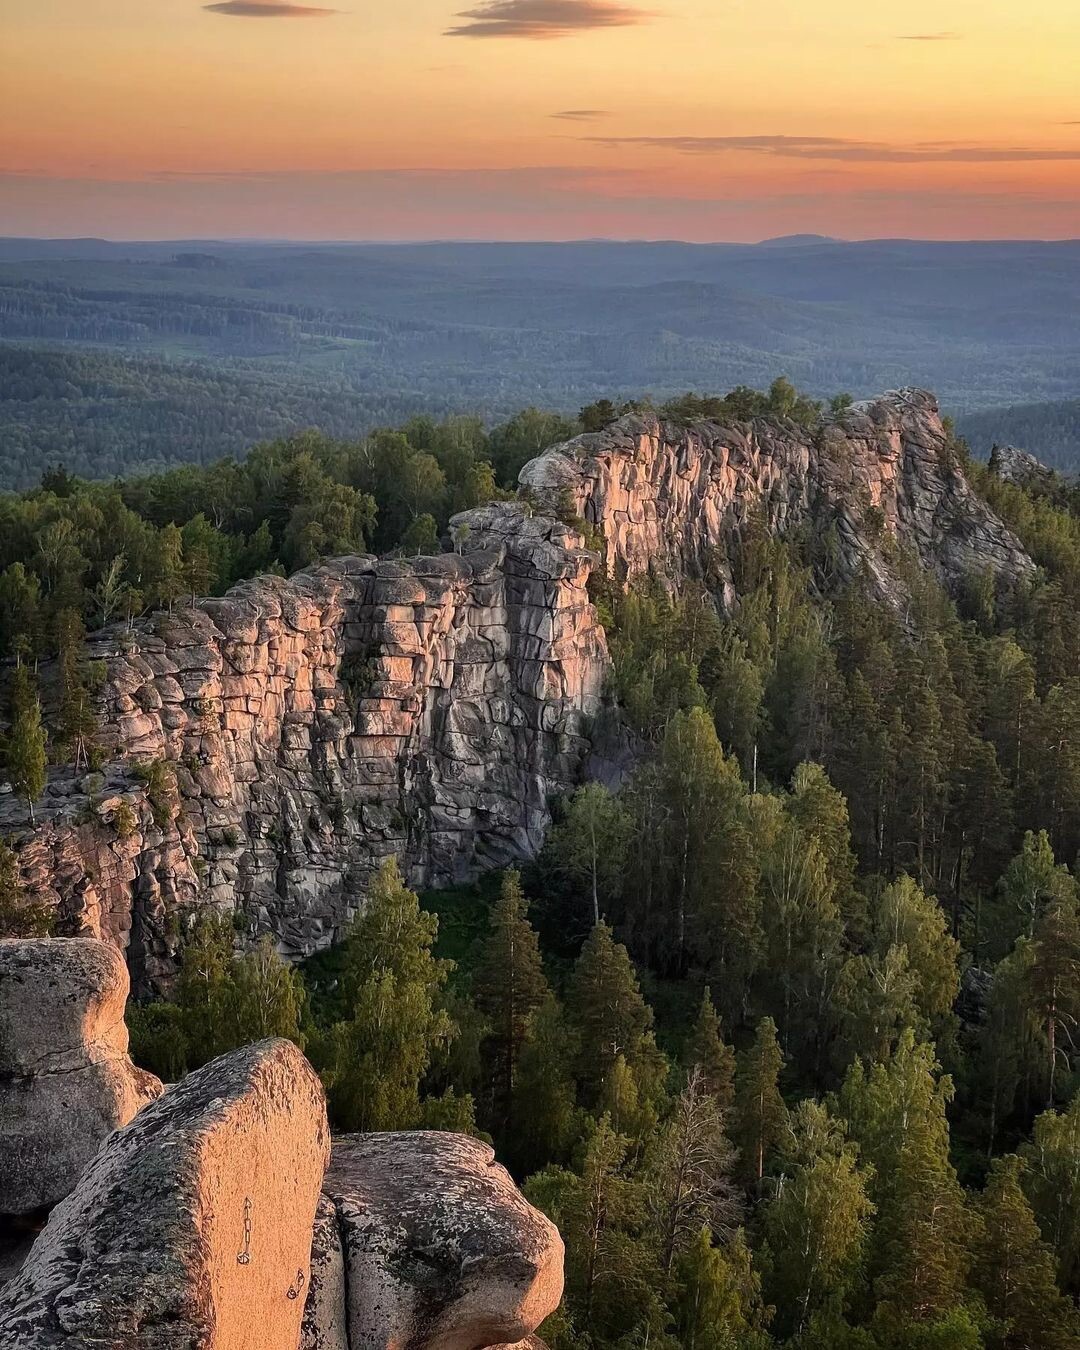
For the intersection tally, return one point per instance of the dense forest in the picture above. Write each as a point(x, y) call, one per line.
point(1050, 431)
point(123, 359)
point(782, 1033)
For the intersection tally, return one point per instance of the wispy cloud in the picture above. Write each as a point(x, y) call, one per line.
point(839, 149)
point(544, 18)
point(927, 37)
point(581, 114)
point(268, 9)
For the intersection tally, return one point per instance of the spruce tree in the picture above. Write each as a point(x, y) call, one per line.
point(760, 1113)
point(711, 1056)
point(546, 1119)
point(607, 1009)
point(508, 986)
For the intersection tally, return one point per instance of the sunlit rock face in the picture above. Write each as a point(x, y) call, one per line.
point(877, 480)
point(311, 727)
point(430, 708)
point(66, 1081)
point(432, 1247)
point(192, 1225)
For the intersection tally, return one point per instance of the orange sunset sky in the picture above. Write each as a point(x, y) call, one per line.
point(543, 119)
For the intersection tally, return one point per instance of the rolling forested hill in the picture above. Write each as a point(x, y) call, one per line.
point(345, 337)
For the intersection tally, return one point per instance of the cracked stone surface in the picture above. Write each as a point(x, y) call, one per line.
point(882, 474)
point(192, 1225)
point(315, 725)
point(66, 1081)
point(431, 707)
point(439, 1249)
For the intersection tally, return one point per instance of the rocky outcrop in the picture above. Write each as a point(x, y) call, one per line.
point(192, 1226)
point(1018, 466)
point(882, 475)
point(432, 1244)
point(293, 733)
point(66, 1080)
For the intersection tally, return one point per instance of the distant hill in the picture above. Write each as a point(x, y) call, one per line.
point(344, 335)
point(1050, 431)
point(798, 241)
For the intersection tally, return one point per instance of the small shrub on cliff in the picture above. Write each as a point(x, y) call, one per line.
point(160, 783)
point(124, 820)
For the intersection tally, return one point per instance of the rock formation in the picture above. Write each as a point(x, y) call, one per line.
point(65, 1077)
point(433, 1247)
point(294, 733)
point(1018, 466)
point(192, 1225)
point(882, 473)
point(291, 734)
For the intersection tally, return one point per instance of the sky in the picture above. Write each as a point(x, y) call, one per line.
point(540, 119)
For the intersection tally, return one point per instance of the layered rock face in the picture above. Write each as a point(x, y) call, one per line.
point(66, 1081)
point(433, 1246)
point(673, 500)
point(192, 1226)
point(305, 729)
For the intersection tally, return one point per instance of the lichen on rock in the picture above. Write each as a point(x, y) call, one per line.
point(441, 1250)
point(192, 1226)
point(66, 1081)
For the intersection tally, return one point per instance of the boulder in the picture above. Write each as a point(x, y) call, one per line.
point(324, 1314)
point(441, 1249)
point(66, 1080)
point(191, 1228)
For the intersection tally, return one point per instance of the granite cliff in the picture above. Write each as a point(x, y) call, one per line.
point(266, 749)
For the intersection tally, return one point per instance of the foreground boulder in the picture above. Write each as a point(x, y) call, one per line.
point(191, 1228)
point(439, 1249)
point(66, 1080)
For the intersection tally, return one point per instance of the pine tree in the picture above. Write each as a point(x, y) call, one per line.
point(508, 986)
point(760, 1113)
point(611, 1275)
point(1014, 1269)
point(78, 725)
point(711, 1056)
point(1053, 985)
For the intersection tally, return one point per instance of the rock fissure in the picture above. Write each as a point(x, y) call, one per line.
point(430, 708)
